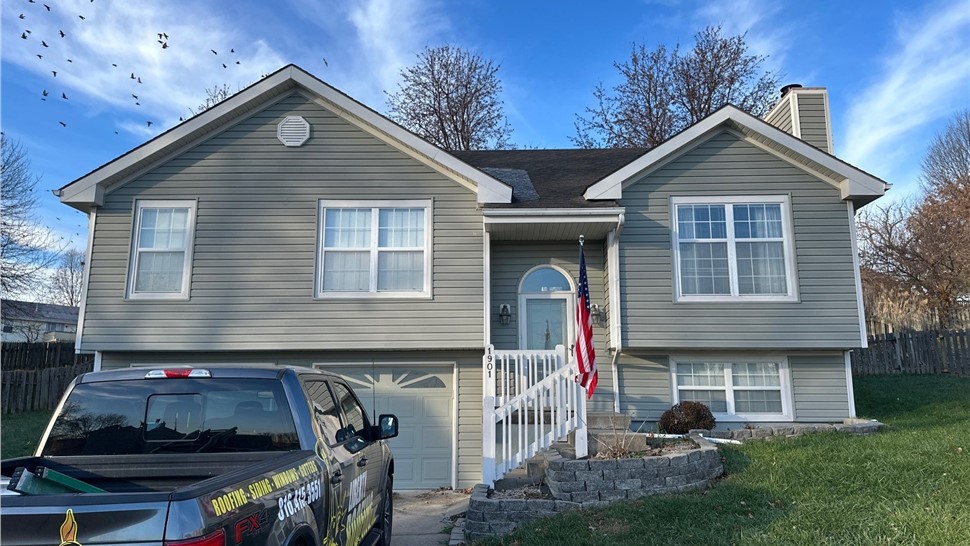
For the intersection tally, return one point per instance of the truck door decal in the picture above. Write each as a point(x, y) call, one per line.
point(69, 530)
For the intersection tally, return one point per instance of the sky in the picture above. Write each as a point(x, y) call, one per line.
point(127, 70)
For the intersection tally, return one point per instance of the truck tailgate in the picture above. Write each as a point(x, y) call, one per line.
point(120, 520)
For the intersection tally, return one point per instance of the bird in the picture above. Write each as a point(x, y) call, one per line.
point(132, 75)
point(165, 45)
point(139, 79)
point(54, 72)
point(48, 7)
point(149, 123)
point(22, 16)
point(23, 35)
point(159, 35)
point(232, 50)
point(180, 118)
point(44, 92)
point(39, 56)
point(134, 95)
point(70, 60)
point(137, 103)
point(213, 52)
point(31, 1)
point(64, 95)
point(325, 62)
point(62, 33)
point(237, 62)
point(62, 124)
point(43, 43)
point(81, 17)
point(224, 65)
point(163, 34)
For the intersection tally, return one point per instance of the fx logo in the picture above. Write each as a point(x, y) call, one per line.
point(250, 525)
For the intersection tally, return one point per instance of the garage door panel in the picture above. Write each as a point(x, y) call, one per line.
point(423, 400)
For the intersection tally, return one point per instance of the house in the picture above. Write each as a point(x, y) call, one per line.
point(34, 322)
point(292, 225)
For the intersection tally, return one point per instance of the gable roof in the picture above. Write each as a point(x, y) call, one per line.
point(854, 183)
point(38, 312)
point(559, 177)
point(89, 190)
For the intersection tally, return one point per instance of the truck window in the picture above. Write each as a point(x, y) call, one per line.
point(173, 416)
point(352, 411)
point(324, 409)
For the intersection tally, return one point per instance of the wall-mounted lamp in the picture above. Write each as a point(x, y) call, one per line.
point(504, 314)
point(598, 314)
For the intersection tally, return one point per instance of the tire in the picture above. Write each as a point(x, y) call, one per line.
point(385, 520)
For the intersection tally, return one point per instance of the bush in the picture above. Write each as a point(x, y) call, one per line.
point(685, 416)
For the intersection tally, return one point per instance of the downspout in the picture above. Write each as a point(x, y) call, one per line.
point(615, 312)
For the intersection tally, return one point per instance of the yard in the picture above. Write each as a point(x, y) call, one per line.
point(907, 485)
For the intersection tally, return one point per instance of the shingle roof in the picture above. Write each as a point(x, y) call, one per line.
point(39, 312)
point(559, 177)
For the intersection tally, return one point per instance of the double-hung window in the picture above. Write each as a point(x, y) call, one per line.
point(733, 249)
point(736, 389)
point(374, 249)
point(161, 253)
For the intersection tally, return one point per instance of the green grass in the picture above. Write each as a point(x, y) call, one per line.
point(907, 485)
point(20, 432)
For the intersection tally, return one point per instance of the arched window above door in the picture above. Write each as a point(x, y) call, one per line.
point(544, 279)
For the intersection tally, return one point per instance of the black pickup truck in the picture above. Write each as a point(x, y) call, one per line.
point(214, 456)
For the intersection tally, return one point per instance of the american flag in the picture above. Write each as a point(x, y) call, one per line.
point(585, 353)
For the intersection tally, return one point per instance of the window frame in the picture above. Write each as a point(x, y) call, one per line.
point(134, 251)
point(728, 201)
point(784, 376)
point(374, 249)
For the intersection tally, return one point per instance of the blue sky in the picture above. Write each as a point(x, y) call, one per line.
point(896, 71)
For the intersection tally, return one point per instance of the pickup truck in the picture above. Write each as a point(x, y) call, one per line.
point(215, 456)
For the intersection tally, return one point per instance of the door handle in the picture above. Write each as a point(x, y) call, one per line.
point(336, 478)
point(362, 462)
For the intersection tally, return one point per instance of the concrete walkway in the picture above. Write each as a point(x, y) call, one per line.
point(425, 517)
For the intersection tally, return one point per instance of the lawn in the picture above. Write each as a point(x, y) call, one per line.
point(907, 485)
point(20, 432)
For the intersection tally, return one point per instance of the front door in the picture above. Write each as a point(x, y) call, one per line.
point(546, 307)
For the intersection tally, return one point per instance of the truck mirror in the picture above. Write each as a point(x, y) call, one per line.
point(388, 426)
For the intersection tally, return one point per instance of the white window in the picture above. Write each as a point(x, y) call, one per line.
point(161, 255)
point(374, 249)
point(736, 389)
point(733, 249)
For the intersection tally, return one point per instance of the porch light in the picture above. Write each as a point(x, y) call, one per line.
point(598, 314)
point(504, 314)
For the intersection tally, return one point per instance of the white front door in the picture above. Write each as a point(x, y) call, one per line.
point(547, 304)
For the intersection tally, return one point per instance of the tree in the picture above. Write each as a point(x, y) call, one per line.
point(26, 248)
point(450, 97)
point(916, 255)
point(213, 96)
point(664, 91)
point(68, 279)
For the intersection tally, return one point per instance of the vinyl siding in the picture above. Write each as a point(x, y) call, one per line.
point(819, 387)
point(469, 365)
point(826, 315)
point(645, 390)
point(811, 117)
point(781, 118)
point(511, 260)
point(252, 279)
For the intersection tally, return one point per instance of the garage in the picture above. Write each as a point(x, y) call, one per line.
point(422, 397)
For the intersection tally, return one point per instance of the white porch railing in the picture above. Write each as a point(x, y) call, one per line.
point(531, 400)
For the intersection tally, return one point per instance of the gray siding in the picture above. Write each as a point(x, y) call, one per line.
point(252, 278)
point(782, 118)
point(510, 261)
point(819, 387)
point(811, 119)
point(645, 390)
point(469, 365)
point(826, 315)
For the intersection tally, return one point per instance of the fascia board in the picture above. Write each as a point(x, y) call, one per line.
point(490, 190)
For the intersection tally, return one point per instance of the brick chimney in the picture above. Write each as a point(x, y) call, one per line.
point(804, 112)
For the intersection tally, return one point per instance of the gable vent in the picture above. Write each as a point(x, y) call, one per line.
point(293, 131)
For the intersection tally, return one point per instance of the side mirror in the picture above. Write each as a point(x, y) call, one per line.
point(387, 425)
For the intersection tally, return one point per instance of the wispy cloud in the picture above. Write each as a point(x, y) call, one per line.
point(101, 58)
point(767, 36)
point(922, 80)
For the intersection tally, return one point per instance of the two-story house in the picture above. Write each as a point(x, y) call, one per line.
point(292, 225)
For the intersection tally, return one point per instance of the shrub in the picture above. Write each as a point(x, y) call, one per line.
point(685, 416)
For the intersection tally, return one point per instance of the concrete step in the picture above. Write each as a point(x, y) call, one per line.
point(608, 421)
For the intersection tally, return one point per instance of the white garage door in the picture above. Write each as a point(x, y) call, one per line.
point(422, 398)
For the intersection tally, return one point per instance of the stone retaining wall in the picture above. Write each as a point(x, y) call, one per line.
point(851, 426)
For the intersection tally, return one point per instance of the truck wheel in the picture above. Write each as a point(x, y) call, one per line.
point(386, 517)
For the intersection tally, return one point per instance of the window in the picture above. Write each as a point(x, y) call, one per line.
point(161, 256)
point(733, 248)
point(324, 409)
point(740, 389)
point(374, 249)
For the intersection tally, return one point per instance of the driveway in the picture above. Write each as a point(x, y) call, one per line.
point(425, 517)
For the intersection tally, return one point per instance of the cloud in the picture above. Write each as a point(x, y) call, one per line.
point(115, 54)
point(767, 36)
point(924, 79)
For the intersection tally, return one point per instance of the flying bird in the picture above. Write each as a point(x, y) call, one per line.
point(44, 92)
point(132, 75)
point(54, 72)
point(81, 17)
point(64, 95)
point(213, 52)
point(62, 124)
point(62, 33)
point(39, 56)
point(43, 43)
point(163, 34)
point(149, 123)
point(70, 60)
point(114, 65)
point(22, 16)
point(134, 95)
point(48, 7)
point(137, 103)
point(139, 79)
point(165, 45)
point(237, 62)
point(224, 65)
point(232, 50)
point(23, 35)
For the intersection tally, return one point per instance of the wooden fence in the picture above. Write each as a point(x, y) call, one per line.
point(913, 352)
point(35, 375)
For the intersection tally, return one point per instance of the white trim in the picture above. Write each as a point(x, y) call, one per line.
point(782, 103)
point(859, 183)
point(828, 121)
point(566, 213)
point(98, 359)
point(326, 366)
point(568, 295)
point(796, 119)
point(729, 359)
point(849, 387)
point(791, 267)
point(616, 382)
point(375, 206)
point(487, 287)
point(140, 205)
point(88, 254)
point(613, 280)
point(860, 302)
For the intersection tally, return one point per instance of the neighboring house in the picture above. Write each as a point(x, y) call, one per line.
point(35, 322)
point(291, 224)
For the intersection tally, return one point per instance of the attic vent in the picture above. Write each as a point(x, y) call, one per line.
point(293, 131)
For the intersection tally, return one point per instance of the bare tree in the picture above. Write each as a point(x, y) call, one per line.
point(213, 96)
point(26, 247)
point(664, 91)
point(68, 279)
point(916, 255)
point(450, 97)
